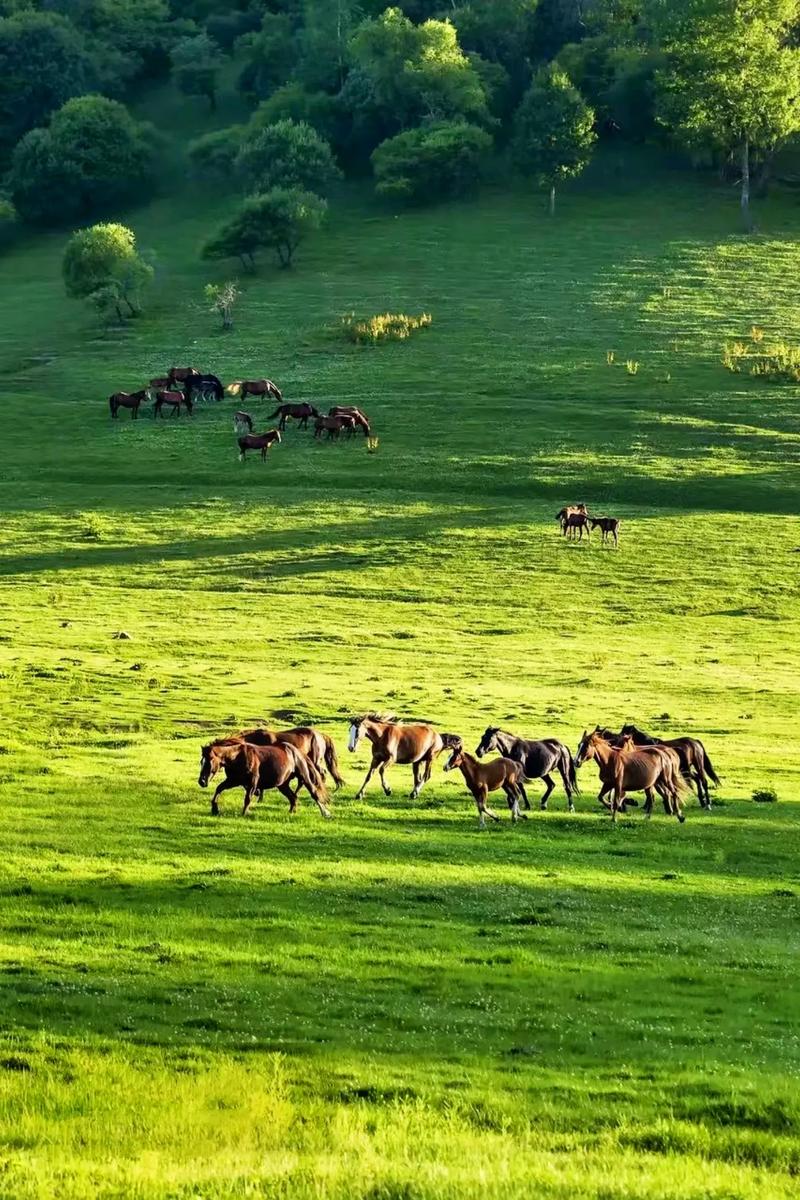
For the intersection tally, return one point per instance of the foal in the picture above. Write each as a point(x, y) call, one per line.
point(609, 527)
point(574, 523)
point(482, 778)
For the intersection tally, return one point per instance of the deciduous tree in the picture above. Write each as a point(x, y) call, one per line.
point(553, 131)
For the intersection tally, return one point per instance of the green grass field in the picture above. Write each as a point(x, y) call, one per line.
point(393, 1006)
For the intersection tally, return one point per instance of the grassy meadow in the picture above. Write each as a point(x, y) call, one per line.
point(393, 1006)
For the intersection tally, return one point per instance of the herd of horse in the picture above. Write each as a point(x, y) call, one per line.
point(631, 760)
point(575, 520)
point(179, 390)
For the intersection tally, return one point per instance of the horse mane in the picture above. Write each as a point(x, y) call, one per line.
point(388, 718)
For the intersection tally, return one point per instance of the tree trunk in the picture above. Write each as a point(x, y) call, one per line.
point(552, 205)
point(746, 218)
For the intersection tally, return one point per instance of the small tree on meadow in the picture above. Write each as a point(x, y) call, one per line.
point(288, 154)
point(102, 265)
point(553, 131)
point(195, 67)
point(277, 220)
point(443, 158)
point(222, 297)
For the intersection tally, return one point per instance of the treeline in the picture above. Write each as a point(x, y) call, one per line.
point(421, 93)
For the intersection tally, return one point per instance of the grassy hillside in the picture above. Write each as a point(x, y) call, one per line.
point(393, 1005)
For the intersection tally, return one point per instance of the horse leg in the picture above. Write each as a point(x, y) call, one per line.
point(548, 780)
point(387, 791)
point(513, 800)
point(291, 796)
point(372, 769)
point(418, 772)
point(221, 787)
point(524, 795)
point(483, 810)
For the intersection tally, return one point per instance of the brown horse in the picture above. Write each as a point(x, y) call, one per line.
point(332, 425)
point(242, 421)
point(180, 375)
point(315, 744)
point(258, 441)
point(131, 400)
point(695, 764)
point(396, 742)
point(259, 768)
point(299, 412)
point(630, 770)
point(569, 510)
point(482, 778)
point(160, 382)
point(575, 524)
point(173, 400)
point(609, 527)
point(349, 410)
point(256, 387)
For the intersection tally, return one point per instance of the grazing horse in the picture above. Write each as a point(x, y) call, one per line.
point(538, 759)
point(576, 523)
point(172, 400)
point(609, 527)
point(300, 412)
point(315, 744)
point(256, 387)
point(482, 778)
point(695, 765)
point(631, 770)
point(569, 510)
point(333, 425)
point(242, 422)
point(395, 742)
point(259, 768)
point(349, 410)
point(206, 385)
point(131, 400)
point(180, 375)
point(257, 441)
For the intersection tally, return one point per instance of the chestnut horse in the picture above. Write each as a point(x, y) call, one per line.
point(695, 764)
point(300, 413)
point(349, 410)
point(259, 768)
point(631, 770)
point(482, 778)
point(256, 387)
point(172, 400)
point(257, 441)
point(333, 425)
point(395, 742)
point(131, 400)
point(539, 760)
point(312, 742)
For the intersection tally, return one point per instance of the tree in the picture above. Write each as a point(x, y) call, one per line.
point(732, 80)
point(417, 71)
point(43, 62)
point(288, 154)
point(195, 67)
point(92, 155)
point(294, 102)
point(553, 131)
point(271, 56)
point(213, 155)
point(439, 159)
point(102, 265)
point(276, 220)
point(222, 297)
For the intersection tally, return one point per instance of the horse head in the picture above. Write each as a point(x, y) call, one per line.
point(586, 746)
point(456, 747)
point(488, 742)
point(356, 732)
point(209, 764)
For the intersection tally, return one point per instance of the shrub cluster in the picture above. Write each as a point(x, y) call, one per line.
point(776, 362)
point(383, 327)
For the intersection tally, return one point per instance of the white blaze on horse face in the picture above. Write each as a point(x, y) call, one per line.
point(352, 741)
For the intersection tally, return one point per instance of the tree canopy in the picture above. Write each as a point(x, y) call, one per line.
point(277, 220)
point(553, 131)
point(288, 154)
point(102, 265)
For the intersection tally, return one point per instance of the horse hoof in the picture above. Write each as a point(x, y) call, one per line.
point(572, 808)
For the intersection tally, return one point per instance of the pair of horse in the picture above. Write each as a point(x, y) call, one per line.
point(260, 759)
point(628, 767)
point(419, 744)
point(164, 398)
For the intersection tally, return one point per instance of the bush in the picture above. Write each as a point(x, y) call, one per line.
point(766, 795)
point(277, 220)
point(102, 266)
point(384, 327)
point(293, 102)
point(214, 154)
point(444, 158)
point(777, 362)
point(92, 155)
point(288, 154)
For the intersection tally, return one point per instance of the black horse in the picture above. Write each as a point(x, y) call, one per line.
point(539, 760)
point(695, 764)
point(206, 385)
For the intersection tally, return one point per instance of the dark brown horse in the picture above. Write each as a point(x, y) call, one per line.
point(333, 426)
point(174, 401)
point(539, 760)
point(299, 412)
point(180, 375)
point(349, 410)
point(204, 385)
point(256, 387)
point(258, 441)
point(315, 744)
point(569, 510)
point(575, 525)
point(609, 527)
point(259, 768)
point(396, 742)
point(630, 770)
point(695, 764)
point(482, 778)
point(131, 400)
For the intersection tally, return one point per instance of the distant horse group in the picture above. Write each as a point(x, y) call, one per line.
point(628, 761)
point(575, 519)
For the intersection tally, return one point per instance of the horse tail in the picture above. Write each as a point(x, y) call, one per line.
point(707, 767)
point(332, 762)
point(572, 773)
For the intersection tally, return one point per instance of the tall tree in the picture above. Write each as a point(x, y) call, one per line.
point(732, 80)
point(553, 131)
